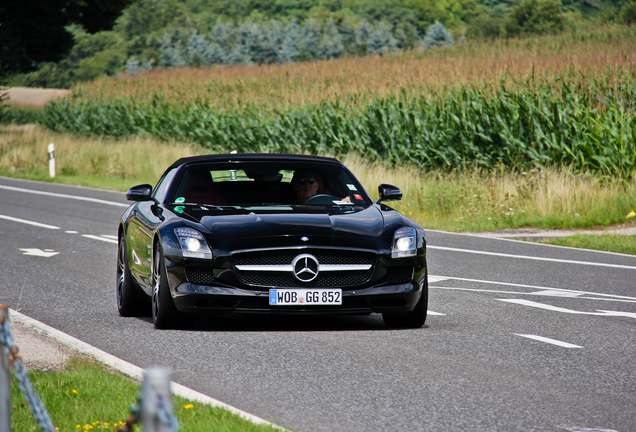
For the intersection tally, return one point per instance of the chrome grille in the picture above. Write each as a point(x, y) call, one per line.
point(347, 278)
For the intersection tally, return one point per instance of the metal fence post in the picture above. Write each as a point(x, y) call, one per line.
point(156, 401)
point(5, 372)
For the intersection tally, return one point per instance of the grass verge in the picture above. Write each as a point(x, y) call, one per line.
point(602, 242)
point(449, 201)
point(87, 397)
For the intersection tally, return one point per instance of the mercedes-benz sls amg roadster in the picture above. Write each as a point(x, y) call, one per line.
point(268, 234)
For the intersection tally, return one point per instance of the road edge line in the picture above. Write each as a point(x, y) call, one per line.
point(130, 369)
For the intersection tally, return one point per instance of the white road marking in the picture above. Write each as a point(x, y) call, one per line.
point(58, 195)
point(569, 311)
point(526, 257)
point(435, 313)
point(548, 340)
point(433, 279)
point(28, 222)
point(585, 429)
point(105, 237)
point(610, 297)
point(94, 237)
point(39, 252)
point(557, 293)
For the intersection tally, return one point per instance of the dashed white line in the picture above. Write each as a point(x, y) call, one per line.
point(104, 239)
point(28, 222)
point(549, 340)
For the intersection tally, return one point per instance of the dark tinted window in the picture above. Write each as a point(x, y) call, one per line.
point(265, 183)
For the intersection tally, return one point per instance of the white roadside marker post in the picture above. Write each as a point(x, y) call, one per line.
point(51, 160)
point(157, 411)
point(5, 372)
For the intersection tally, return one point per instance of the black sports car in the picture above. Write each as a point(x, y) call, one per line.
point(268, 233)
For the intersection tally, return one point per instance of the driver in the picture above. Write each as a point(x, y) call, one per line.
point(304, 185)
point(307, 183)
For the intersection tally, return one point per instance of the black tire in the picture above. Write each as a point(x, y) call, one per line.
point(413, 319)
point(130, 301)
point(164, 313)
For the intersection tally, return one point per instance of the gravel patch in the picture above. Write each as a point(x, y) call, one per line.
point(39, 351)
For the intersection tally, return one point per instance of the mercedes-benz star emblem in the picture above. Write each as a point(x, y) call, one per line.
point(305, 267)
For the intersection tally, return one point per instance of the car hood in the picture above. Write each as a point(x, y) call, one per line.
point(236, 229)
point(264, 224)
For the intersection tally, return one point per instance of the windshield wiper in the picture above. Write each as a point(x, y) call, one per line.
point(200, 205)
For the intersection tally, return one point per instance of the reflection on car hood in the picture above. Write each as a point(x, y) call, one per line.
point(255, 223)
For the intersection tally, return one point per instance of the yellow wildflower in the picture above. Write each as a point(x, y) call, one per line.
point(189, 406)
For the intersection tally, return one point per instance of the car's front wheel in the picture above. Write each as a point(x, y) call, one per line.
point(130, 301)
point(164, 313)
point(413, 319)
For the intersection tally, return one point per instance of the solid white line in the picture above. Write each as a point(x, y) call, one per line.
point(28, 222)
point(568, 311)
point(548, 340)
point(57, 195)
point(127, 368)
point(94, 237)
point(526, 257)
point(435, 313)
point(529, 286)
point(581, 297)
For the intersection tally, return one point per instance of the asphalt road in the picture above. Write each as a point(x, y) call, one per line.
point(520, 336)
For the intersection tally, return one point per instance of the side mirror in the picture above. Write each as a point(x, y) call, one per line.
point(140, 193)
point(388, 192)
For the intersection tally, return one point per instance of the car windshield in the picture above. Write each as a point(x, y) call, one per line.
point(263, 184)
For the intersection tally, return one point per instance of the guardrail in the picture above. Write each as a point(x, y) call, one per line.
point(154, 404)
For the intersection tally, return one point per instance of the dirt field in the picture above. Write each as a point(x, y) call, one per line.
point(33, 97)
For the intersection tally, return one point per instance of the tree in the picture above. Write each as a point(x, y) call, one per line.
point(92, 55)
point(627, 15)
point(4, 95)
point(34, 31)
point(437, 36)
point(536, 16)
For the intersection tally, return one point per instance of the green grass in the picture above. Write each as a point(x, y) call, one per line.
point(605, 242)
point(85, 396)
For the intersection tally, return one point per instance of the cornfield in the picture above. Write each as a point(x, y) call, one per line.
point(557, 101)
point(584, 125)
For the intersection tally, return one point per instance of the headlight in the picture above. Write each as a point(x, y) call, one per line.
point(192, 243)
point(404, 243)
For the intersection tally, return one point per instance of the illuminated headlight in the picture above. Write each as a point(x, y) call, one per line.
point(192, 243)
point(404, 243)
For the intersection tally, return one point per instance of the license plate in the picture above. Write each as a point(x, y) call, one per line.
point(305, 297)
